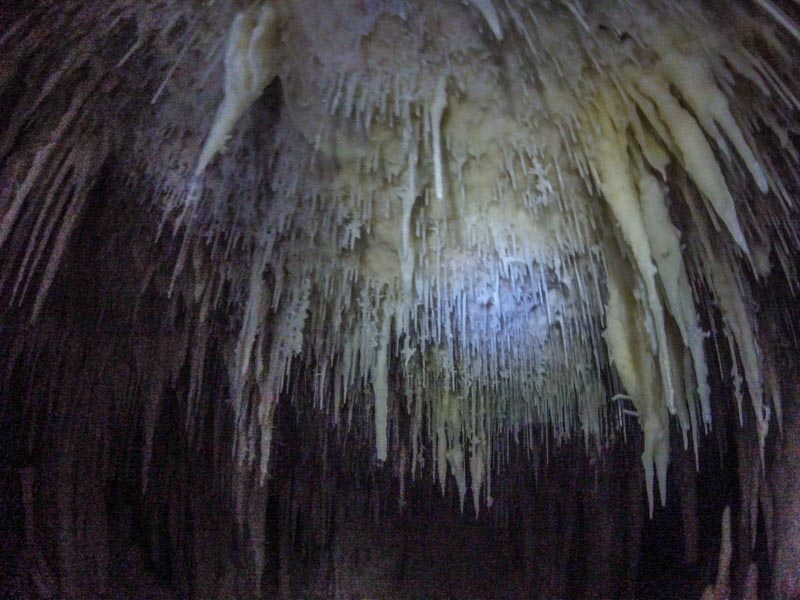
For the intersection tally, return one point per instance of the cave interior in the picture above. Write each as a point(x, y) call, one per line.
point(276, 284)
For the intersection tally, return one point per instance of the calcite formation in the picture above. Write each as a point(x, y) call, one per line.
point(487, 225)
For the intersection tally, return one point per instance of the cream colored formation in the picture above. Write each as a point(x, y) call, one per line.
point(477, 208)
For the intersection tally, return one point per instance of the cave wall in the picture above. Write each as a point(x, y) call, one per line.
point(91, 519)
point(117, 472)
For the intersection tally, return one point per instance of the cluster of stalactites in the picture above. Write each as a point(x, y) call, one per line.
point(465, 241)
point(459, 236)
point(673, 113)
